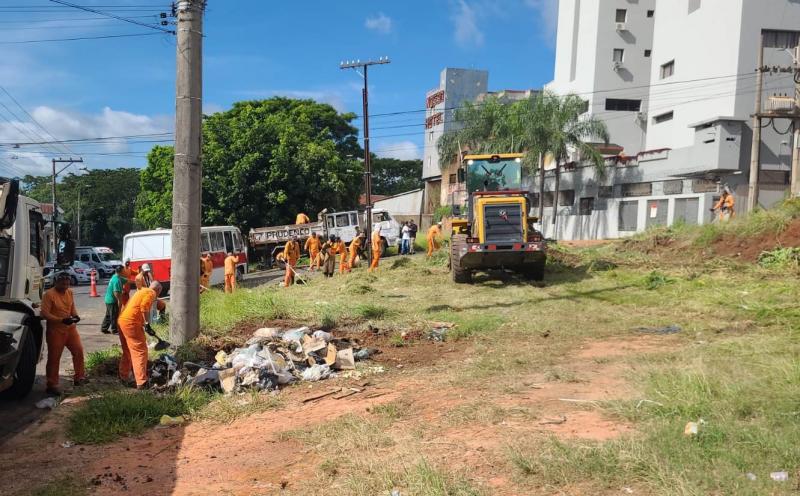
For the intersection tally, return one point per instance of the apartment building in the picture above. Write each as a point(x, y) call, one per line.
point(674, 81)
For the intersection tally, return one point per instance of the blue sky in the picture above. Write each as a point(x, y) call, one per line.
point(253, 49)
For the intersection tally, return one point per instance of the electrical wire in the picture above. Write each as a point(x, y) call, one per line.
point(38, 124)
point(131, 35)
point(114, 16)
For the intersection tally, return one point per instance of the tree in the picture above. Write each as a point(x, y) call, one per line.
point(263, 162)
point(542, 125)
point(391, 176)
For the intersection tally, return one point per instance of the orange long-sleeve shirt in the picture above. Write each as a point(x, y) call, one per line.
point(377, 242)
point(138, 306)
point(292, 252)
point(57, 306)
point(302, 219)
point(230, 265)
point(312, 245)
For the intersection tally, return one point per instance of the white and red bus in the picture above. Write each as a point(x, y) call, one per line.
point(155, 248)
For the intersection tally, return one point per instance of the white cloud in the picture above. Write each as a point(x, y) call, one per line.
point(465, 20)
point(403, 150)
point(548, 13)
point(69, 125)
point(380, 23)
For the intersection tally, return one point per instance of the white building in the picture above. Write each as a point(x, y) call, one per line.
point(674, 80)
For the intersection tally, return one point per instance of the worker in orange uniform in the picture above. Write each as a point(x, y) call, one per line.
point(58, 309)
point(377, 248)
point(341, 249)
point(133, 323)
point(434, 238)
point(129, 275)
point(313, 245)
point(302, 219)
point(725, 205)
point(355, 245)
point(230, 272)
point(291, 253)
point(144, 277)
point(206, 268)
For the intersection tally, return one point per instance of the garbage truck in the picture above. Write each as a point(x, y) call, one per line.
point(494, 229)
point(22, 257)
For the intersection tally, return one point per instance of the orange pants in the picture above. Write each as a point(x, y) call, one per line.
point(205, 281)
point(376, 256)
point(351, 262)
point(432, 246)
point(343, 265)
point(315, 260)
point(230, 283)
point(134, 352)
point(288, 279)
point(57, 340)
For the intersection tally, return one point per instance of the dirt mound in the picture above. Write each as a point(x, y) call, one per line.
point(750, 248)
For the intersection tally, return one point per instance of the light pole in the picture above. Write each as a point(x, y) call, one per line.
point(358, 64)
point(69, 161)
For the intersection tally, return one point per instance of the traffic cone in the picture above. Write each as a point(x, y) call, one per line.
point(93, 289)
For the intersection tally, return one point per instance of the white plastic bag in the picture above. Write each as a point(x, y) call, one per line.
point(316, 373)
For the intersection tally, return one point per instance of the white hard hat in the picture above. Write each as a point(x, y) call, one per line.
point(146, 268)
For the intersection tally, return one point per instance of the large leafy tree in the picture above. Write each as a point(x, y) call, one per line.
point(391, 176)
point(543, 125)
point(105, 198)
point(263, 162)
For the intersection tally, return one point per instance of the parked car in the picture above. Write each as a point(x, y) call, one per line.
point(79, 273)
point(98, 258)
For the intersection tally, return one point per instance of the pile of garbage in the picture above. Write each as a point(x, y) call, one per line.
point(270, 359)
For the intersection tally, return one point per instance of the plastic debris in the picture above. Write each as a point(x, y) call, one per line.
point(67, 444)
point(295, 335)
point(176, 379)
point(670, 329)
point(779, 476)
point(205, 377)
point(691, 429)
point(267, 332)
point(227, 380)
point(222, 358)
point(47, 403)
point(167, 420)
point(316, 373)
point(396, 492)
point(750, 476)
point(365, 353)
point(438, 334)
point(322, 335)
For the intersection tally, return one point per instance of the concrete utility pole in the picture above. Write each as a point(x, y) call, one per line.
point(795, 188)
point(357, 64)
point(755, 152)
point(69, 161)
point(184, 321)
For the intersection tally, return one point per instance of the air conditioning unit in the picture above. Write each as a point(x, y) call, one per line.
point(617, 66)
point(621, 26)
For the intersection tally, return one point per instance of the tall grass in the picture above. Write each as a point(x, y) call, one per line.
point(220, 311)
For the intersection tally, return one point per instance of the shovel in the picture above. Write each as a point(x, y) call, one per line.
point(161, 344)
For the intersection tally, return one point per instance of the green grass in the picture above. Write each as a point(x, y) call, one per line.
point(371, 311)
point(226, 409)
point(219, 311)
point(780, 258)
point(63, 486)
point(345, 434)
point(100, 361)
point(105, 418)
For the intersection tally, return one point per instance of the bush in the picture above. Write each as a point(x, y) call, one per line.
point(441, 212)
point(370, 311)
point(780, 258)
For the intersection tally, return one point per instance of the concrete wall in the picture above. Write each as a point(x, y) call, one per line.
point(405, 204)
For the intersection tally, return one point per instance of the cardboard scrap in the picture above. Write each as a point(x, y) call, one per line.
point(227, 379)
point(330, 358)
point(322, 394)
point(345, 360)
point(310, 345)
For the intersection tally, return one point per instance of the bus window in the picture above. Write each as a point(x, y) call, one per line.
point(228, 242)
point(205, 244)
point(217, 242)
point(380, 217)
point(237, 242)
point(353, 219)
point(341, 220)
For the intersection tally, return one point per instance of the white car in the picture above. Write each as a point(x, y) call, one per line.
point(79, 273)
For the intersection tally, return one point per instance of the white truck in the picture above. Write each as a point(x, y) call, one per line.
point(266, 242)
point(22, 256)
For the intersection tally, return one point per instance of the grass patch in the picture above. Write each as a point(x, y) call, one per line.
point(780, 258)
point(656, 279)
point(226, 409)
point(484, 413)
point(399, 263)
point(100, 362)
point(371, 311)
point(219, 311)
point(121, 413)
point(64, 486)
point(393, 410)
point(345, 434)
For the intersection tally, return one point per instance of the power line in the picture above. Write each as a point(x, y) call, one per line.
point(85, 140)
point(71, 19)
point(79, 38)
point(114, 16)
point(46, 132)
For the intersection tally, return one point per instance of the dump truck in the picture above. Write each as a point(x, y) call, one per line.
point(267, 242)
point(496, 230)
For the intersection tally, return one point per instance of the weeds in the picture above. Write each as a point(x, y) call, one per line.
point(219, 311)
point(226, 409)
point(656, 279)
point(393, 410)
point(100, 362)
point(64, 486)
point(780, 258)
point(347, 433)
point(370, 311)
point(399, 263)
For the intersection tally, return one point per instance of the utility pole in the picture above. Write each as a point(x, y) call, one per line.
point(755, 152)
point(795, 188)
point(79, 217)
point(357, 64)
point(69, 161)
point(184, 321)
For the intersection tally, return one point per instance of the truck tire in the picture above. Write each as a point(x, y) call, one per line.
point(460, 276)
point(535, 272)
point(25, 373)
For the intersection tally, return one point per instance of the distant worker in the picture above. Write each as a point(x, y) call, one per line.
point(58, 309)
point(355, 247)
point(328, 256)
point(726, 206)
point(230, 272)
point(128, 274)
point(434, 238)
point(133, 323)
point(113, 302)
point(377, 248)
point(291, 253)
point(144, 278)
point(341, 249)
point(412, 228)
point(302, 219)
point(405, 239)
point(313, 245)
point(206, 268)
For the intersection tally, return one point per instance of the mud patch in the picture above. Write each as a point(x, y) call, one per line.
point(750, 248)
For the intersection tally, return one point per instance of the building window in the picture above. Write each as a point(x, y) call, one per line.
point(704, 186)
point(648, 53)
point(622, 15)
point(623, 105)
point(619, 55)
point(566, 198)
point(673, 187)
point(637, 189)
point(586, 206)
point(668, 69)
point(453, 179)
point(651, 13)
point(535, 199)
point(605, 192)
point(430, 137)
point(693, 5)
point(628, 215)
point(664, 117)
point(548, 198)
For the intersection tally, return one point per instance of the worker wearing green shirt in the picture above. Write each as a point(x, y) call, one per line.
point(113, 302)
